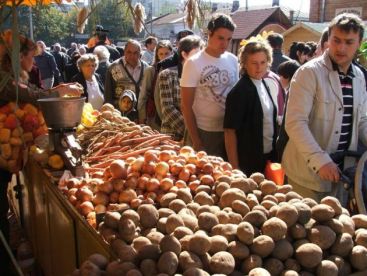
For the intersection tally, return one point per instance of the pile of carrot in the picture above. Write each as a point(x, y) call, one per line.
point(108, 140)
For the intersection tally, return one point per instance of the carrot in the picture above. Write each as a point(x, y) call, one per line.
point(155, 140)
point(137, 140)
point(108, 155)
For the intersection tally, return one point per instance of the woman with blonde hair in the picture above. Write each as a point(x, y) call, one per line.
point(250, 116)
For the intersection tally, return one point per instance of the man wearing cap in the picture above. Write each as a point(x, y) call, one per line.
point(126, 73)
point(101, 39)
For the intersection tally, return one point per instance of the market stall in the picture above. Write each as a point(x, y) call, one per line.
point(150, 206)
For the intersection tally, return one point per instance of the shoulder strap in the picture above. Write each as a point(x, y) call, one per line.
point(136, 83)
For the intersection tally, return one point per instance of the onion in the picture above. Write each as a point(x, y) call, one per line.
point(131, 181)
point(149, 168)
point(176, 168)
point(86, 207)
point(142, 182)
point(217, 174)
point(226, 166)
point(130, 159)
point(107, 174)
point(72, 191)
point(152, 185)
point(191, 168)
point(180, 184)
point(137, 164)
point(118, 184)
point(166, 184)
point(135, 203)
point(201, 162)
point(100, 209)
point(174, 189)
point(162, 168)
point(192, 159)
point(84, 194)
point(186, 150)
point(105, 187)
point(140, 192)
point(171, 162)
point(207, 180)
point(194, 185)
point(117, 169)
point(184, 175)
point(100, 198)
point(72, 199)
point(98, 174)
point(208, 168)
point(151, 195)
point(73, 183)
point(127, 195)
point(165, 155)
point(114, 197)
point(201, 154)
point(150, 156)
point(181, 159)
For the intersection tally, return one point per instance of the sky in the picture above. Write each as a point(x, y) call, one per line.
point(303, 5)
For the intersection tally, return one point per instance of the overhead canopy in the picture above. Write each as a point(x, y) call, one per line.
point(32, 2)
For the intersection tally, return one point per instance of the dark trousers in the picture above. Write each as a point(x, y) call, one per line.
point(5, 178)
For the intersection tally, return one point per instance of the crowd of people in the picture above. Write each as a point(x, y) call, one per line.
point(262, 105)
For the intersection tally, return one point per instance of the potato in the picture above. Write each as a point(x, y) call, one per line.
point(348, 224)
point(127, 253)
point(89, 268)
point(223, 217)
point(256, 218)
point(360, 221)
point(271, 198)
point(361, 238)
point(242, 184)
point(288, 213)
point(203, 198)
point(273, 211)
point(161, 225)
point(134, 272)
point(184, 195)
point(100, 260)
point(194, 271)
point(342, 245)
point(334, 203)
point(268, 187)
point(148, 215)
point(166, 199)
point(218, 243)
point(139, 242)
point(268, 204)
point(168, 263)
point(148, 267)
point(328, 268)
point(258, 195)
point(150, 251)
point(274, 266)
point(257, 177)
point(292, 264)
point(116, 268)
point(231, 195)
point(199, 244)
point(292, 195)
point(344, 268)
point(358, 257)
point(170, 244)
point(283, 250)
point(185, 243)
point(309, 255)
point(234, 218)
point(298, 243)
point(304, 212)
point(321, 235)
point(203, 188)
point(176, 205)
point(126, 229)
point(284, 189)
point(188, 260)
point(309, 201)
point(111, 219)
point(221, 187)
point(262, 209)
point(189, 219)
point(155, 237)
point(245, 232)
point(173, 221)
point(274, 228)
point(289, 273)
point(250, 263)
point(240, 207)
point(207, 221)
point(259, 271)
point(322, 212)
point(298, 231)
point(205, 260)
point(262, 246)
point(222, 263)
point(252, 201)
point(335, 225)
point(182, 231)
point(279, 196)
point(238, 250)
point(227, 230)
point(133, 215)
point(193, 206)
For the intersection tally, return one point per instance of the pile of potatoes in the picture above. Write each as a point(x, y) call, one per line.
point(237, 226)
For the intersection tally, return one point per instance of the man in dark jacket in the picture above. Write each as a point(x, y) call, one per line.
point(61, 60)
point(101, 38)
point(47, 66)
point(276, 41)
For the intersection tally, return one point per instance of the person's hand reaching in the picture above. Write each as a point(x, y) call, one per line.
point(330, 172)
point(69, 89)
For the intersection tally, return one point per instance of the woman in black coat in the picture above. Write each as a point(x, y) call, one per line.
point(90, 80)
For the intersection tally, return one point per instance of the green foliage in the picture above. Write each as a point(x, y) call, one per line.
point(362, 55)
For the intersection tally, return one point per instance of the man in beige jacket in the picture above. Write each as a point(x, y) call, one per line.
point(326, 113)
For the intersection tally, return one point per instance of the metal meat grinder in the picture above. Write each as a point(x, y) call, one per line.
point(62, 116)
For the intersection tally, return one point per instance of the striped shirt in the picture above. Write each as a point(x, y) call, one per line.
point(346, 82)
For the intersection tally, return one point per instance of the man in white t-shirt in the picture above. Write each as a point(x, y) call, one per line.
point(207, 78)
